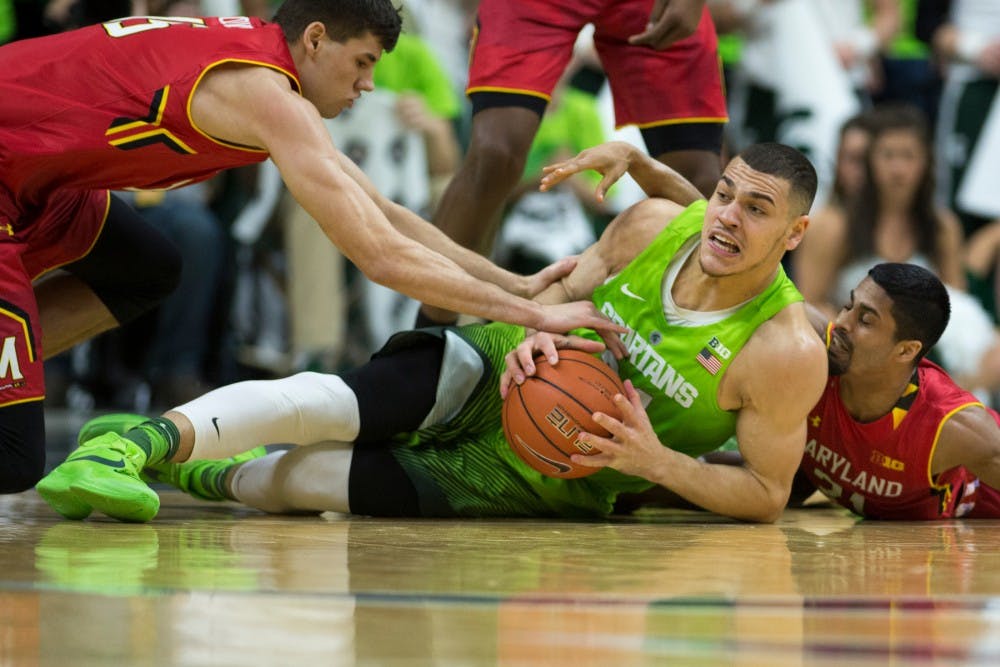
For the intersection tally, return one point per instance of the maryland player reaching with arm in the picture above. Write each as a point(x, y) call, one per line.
point(174, 101)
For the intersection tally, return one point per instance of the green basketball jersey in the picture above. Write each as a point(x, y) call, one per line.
point(678, 368)
point(463, 466)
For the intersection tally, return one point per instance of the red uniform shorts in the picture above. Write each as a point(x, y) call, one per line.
point(523, 47)
point(61, 230)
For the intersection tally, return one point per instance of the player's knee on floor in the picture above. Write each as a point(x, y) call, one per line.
point(18, 476)
point(22, 447)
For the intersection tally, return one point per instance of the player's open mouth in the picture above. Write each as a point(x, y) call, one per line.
point(723, 244)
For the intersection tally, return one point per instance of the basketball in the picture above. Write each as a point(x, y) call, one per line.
point(543, 416)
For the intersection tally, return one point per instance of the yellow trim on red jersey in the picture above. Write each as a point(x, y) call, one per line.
point(228, 144)
point(515, 91)
point(24, 325)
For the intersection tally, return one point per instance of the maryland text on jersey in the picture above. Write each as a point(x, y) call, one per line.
point(835, 469)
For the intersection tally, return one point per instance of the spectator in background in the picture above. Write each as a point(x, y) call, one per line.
point(905, 72)
point(982, 265)
point(176, 353)
point(828, 222)
point(425, 104)
point(965, 36)
point(804, 69)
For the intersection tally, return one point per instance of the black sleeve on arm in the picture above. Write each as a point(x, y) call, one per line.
point(931, 15)
point(22, 446)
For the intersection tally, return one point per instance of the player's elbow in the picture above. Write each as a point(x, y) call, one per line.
point(770, 514)
point(769, 509)
point(388, 268)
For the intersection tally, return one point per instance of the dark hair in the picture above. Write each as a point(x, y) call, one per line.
point(787, 163)
point(920, 303)
point(344, 19)
point(863, 210)
point(860, 121)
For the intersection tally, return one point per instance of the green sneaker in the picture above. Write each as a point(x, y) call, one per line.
point(117, 422)
point(201, 479)
point(103, 473)
point(54, 489)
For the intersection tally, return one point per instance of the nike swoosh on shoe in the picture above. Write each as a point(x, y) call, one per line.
point(100, 459)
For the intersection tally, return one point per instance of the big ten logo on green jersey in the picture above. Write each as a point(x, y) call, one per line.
point(719, 348)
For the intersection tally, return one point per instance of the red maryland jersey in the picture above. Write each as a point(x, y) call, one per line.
point(882, 469)
point(125, 122)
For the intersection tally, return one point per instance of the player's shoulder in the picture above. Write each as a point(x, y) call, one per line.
point(783, 364)
point(791, 330)
point(967, 434)
point(788, 345)
point(636, 227)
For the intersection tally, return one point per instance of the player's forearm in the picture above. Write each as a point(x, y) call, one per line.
point(357, 226)
point(425, 233)
point(422, 274)
point(728, 490)
point(413, 226)
point(658, 180)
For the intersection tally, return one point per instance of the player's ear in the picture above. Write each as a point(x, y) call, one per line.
point(313, 36)
point(909, 349)
point(797, 231)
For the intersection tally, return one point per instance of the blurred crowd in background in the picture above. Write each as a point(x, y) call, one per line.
point(895, 101)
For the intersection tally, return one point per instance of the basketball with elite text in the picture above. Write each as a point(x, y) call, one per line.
point(544, 416)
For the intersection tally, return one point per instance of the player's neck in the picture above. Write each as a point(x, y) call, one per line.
point(694, 289)
point(869, 396)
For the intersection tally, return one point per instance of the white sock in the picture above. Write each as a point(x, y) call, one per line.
point(299, 410)
point(303, 479)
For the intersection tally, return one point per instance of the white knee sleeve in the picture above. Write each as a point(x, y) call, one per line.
point(300, 410)
point(305, 479)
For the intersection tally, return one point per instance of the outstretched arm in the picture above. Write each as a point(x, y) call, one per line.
point(612, 160)
point(412, 225)
point(256, 107)
point(970, 438)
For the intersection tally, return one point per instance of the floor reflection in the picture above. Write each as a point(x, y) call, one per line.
point(218, 584)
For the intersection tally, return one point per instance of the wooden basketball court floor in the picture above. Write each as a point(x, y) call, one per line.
point(218, 584)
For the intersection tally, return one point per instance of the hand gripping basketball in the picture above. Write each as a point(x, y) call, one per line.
point(544, 416)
